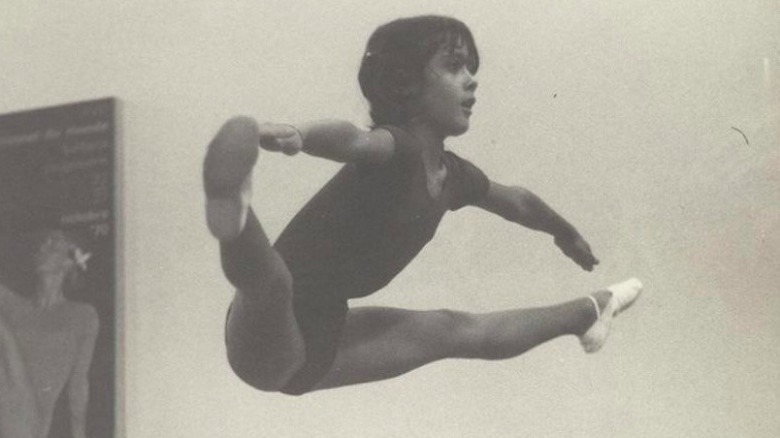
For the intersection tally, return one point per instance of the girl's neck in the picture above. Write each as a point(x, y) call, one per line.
point(48, 290)
point(432, 143)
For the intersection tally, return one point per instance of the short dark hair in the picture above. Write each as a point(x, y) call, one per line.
point(17, 259)
point(396, 55)
point(74, 278)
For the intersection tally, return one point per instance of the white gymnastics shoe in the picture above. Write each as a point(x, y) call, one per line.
point(227, 176)
point(623, 296)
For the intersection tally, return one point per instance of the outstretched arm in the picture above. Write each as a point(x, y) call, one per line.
point(331, 139)
point(521, 206)
point(78, 384)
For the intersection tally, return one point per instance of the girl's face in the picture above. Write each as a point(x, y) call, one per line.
point(53, 255)
point(448, 91)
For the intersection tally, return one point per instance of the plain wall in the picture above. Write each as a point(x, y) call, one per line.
point(621, 114)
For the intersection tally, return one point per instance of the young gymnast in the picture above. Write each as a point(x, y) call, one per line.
point(289, 327)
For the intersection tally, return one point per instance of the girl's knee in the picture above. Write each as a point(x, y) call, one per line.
point(268, 283)
point(269, 274)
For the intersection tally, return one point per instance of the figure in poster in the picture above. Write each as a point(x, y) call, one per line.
point(46, 342)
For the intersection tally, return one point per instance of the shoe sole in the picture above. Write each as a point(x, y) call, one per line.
point(230, 158)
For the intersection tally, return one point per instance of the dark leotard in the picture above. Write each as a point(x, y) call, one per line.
point(357, 233)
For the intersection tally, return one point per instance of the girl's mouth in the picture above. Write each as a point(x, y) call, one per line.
point(468, 104)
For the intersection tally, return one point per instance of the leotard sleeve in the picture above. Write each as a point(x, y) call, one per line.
point(468, 182)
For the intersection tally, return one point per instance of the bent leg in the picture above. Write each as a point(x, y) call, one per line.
point(380, 343)
point(264, 344)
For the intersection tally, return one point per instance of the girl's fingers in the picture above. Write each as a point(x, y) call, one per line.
point(290, 145)
point(270, 144)
point(277, 137)
point(276, 130)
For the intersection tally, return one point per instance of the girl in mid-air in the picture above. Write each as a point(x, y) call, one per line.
point(290, 328)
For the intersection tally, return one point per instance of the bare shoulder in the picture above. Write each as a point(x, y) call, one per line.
point(382, 137)
point(376, 145)
point(85, 314)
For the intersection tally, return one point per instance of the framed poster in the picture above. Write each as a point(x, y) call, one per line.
point(58, 271)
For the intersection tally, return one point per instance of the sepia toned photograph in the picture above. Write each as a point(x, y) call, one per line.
point(399, 219)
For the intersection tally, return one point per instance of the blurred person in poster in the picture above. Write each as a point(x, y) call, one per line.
point(46, 341)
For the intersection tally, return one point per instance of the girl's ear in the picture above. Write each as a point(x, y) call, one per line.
point(406, 82)
point(410, 86)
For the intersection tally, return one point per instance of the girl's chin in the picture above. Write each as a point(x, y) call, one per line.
point(460, 130)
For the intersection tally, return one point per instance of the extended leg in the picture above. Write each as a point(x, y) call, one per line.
point(381, 343)
point(264, 344)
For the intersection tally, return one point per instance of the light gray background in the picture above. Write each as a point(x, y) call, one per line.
point(618, 113)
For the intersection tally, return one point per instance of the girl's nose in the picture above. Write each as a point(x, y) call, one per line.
point(471, 82)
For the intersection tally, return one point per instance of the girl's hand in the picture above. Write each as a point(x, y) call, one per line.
point(277, 137)
point(577, 249)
